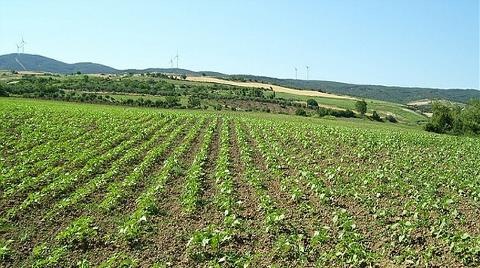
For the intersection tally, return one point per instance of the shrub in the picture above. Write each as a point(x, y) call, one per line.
point(172, 101)
point(391, 118)
point(454, 119)
point(3, 92)
point(376, 117)
point(361, 107)
point(337, 113)
point(323, 111)
point(311, 103)
point(300, 112)
point(193, 102)
point(442, 119)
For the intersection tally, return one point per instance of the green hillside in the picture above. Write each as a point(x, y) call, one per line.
point(385, 93)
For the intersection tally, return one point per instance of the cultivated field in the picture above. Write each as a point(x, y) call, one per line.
point(89, 185)
point(275, 88)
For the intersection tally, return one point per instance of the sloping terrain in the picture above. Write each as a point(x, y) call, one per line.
point(387, 93)
point(100, 186)
point(275, 88)
point(379, 92)
point(28, 62)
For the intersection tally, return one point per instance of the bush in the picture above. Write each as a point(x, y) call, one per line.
point(469, 122)
point(454, 119)
point(391, 118)
point(376, 117)
point(323, 111)
point(193, 102)
point(301, 112)
point(172, 101)
point(337, 113)
point(442, 119)
point(361, 107)
point(311, 103)
point(3, 92)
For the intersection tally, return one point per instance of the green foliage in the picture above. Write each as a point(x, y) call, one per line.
point(119, 260)
point(300, 112)
point(361, 107)
point(385, 93)
point(5, 251)
point(193, 102)
point(80, 231)
point(322, 111)
point(442, 120)
point(306, 191)
point(3, 92)
point(311, 103)
point(448, 118)
point(376, 117)
point(206, 243)
point(172, 101)
point(470, 118)
point(391, 118)
point(44, 257)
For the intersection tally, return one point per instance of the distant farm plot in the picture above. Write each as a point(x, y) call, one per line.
point(326, 99)
point(103, 186)
point(268, 86)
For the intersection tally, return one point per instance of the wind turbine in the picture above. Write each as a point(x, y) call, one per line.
point(308, 68)
point(296, 73)
point(176, 57)
point(22, 45)
point(171, 62)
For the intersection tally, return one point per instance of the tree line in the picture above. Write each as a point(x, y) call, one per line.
point(454, 119)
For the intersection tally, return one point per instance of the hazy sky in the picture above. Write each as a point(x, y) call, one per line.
point(432, 43)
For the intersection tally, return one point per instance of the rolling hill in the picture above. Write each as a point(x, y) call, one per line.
point(29, 62)
point(396, 94)
point(386, 93)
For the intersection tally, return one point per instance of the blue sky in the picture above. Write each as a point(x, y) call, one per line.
point(433, 43)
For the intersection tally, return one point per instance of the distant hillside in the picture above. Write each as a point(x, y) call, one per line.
point(386, 93)
point(39, 63)
point(29, 62)
point(173, 71)
point(404, 95)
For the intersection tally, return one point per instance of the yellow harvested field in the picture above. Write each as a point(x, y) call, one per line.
point(420, 102)
point(268, 86)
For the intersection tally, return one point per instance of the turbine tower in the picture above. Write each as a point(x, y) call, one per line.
point(308, 68)
point(176, 57)
point(296, 73)
point(22, 45)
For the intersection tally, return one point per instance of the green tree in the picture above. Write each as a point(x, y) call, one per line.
point(311, 103)
point(375, 116)
point(361, 107)
point(193, 102)
point(3, 92)
point(172, 101)
point(442, 119)
point(470, 118)
point(391, 118)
